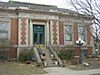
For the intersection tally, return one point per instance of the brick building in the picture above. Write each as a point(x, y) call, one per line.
point(26, 24)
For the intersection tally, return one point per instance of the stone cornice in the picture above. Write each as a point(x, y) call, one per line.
point(62, 16)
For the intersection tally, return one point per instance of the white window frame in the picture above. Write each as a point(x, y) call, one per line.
point(81, 33)
point(67, 32)
point(68, 42)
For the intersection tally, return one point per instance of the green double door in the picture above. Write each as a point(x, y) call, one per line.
point(38, 35)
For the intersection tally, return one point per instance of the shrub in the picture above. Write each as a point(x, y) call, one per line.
point(26, 55)
point(66, 55)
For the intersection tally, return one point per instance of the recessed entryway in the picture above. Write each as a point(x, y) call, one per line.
point(39, 35)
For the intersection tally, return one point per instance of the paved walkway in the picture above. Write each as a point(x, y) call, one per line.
point(66, 71)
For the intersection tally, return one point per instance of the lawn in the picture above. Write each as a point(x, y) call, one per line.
point(94, 64)
point(12, 68)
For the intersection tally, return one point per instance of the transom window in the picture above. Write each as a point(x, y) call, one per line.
point(68, 33)
point(3, 30)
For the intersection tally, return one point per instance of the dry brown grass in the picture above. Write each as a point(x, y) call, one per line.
point(9, 68)
point(94, 64)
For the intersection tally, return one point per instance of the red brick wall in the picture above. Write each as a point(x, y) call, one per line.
point(54, 32)
point(75, 30)
point(76, 51)
point(61, 33)
point(13, 53)
point(89, 50)
point(89, 38)
point(14, 31)
point(23, 33)
point(14, 36)
point(88, 34)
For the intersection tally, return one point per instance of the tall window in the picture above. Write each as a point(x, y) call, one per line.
point(3, 30)
point(68, 33)
point(81, 32)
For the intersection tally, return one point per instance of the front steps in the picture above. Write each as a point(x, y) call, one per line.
point(49, 61)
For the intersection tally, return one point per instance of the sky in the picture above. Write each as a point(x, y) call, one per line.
point(58, 3)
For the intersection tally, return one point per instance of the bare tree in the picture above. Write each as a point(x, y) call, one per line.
point(90, 8)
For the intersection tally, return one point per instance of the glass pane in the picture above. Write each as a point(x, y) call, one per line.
point(68, 33)
point(68, 37)
point(38, 28)
point(82, 37)
point(3, 35)
point(35, 38)
point(3, 26)
point(68, 29)
point(41, 38)
point(81, 29)
point(3, 30)
point(81, 32)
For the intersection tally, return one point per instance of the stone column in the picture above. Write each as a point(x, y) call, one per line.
point(47, 32)
point(31, 33)
point(19, 36)
point(19, 31)
point(51, 32)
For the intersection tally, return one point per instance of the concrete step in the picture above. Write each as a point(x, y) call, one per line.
point(50, 63)
point(48, 59)
point(48, 53)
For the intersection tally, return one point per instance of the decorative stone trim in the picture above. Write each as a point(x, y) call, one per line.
point(26, 31)
point(19, 31)
point(54, 32)
point(47, 32)
point(23, 31)
point(57, 23)
point(38, 16)
point(22, 35)
point(31, 33)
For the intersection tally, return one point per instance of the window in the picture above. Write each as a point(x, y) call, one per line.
point(81, 32)
point(68, 33)
point(3, 30)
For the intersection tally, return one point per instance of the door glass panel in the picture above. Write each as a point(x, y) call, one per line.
point(35, 38)
point(41, 38)
point(38, 34)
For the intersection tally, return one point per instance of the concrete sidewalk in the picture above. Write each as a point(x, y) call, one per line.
point(66, 71)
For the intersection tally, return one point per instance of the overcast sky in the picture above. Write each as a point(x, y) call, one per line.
point(58, 3)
